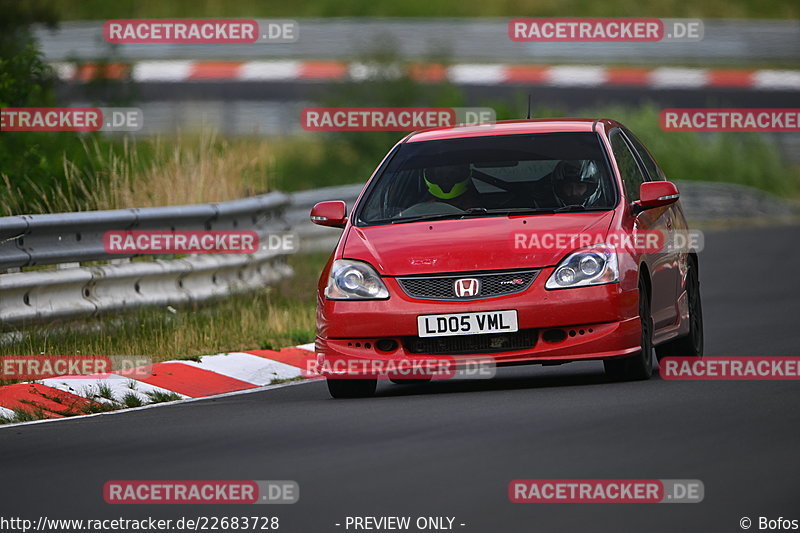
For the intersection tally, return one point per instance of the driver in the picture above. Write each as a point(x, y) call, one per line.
point(576, 182)
point(451, 184)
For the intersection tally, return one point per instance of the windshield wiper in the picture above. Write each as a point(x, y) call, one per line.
point(576, 207)
point(567, 208)
point(511, 210)
point(483, 211)
point(471, 212)
point(420, 218)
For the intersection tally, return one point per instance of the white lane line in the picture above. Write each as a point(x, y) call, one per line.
point(776, 79)
point(577, 76)
point(490, 74)
point(485, 74)
point(89, 386)
point(246, 367)
point(269, 70)
point(666, 77)
point(64, 71)
point(162, 70)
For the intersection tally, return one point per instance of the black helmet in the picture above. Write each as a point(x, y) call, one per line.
point(576, 182)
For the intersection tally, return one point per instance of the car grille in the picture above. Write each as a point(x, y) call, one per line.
point(472, 344)
point(442, 287)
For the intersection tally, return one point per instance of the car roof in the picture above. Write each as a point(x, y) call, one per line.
point(513, 127)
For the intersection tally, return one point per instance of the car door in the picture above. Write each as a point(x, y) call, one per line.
point(662, 264)
point(674, 220)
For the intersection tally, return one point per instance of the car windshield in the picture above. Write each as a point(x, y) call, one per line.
point(490, 176)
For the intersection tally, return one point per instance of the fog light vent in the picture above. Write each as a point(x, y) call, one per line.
point(554, 335)
point(386, 345)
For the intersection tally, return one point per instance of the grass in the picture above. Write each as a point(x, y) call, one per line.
point(23, 415)
point(101, 9)
point(286, 380)
point(271, 318)
point(185, 169)
point(104, 391)
point(157, 396)
point(94, 407)
point(130, 399)
point(188, 168)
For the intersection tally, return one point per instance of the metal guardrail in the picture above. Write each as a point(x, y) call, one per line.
point(32, 240)
point(482, 39)
point(73, 290)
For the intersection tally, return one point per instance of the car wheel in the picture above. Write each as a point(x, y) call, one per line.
point(640, 365)
point(690, 345)
point(416, 381)
point(352, 388)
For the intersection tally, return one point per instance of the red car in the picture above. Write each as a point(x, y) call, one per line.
point(517, 243)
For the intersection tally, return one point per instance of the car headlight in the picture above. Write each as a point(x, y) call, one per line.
point(354, 280)
point(594, 266)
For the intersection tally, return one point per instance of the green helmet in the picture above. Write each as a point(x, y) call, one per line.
point(446, 179)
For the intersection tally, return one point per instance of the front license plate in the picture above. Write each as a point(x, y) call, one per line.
point(467, 323)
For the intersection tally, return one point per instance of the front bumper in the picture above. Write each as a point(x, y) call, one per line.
point(582, 323)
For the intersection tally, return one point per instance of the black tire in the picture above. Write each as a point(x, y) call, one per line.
point(690, 345)
point(352, 388)
point(640, 365)
point(415, 381)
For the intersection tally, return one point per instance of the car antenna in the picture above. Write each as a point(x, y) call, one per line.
point(529, 105)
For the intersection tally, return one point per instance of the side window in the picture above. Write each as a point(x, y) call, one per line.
point(653, 170)
point(632, 175)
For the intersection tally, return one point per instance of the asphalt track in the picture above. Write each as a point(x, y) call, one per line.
point(451, 448)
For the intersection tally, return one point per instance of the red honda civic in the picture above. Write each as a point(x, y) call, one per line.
point(520, 242)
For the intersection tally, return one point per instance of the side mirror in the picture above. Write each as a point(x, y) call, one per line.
point(332, 214)
point(656, 194)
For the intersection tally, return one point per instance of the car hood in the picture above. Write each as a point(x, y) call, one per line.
point(486, 243)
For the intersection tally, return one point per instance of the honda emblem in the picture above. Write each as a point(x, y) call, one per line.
point(467, 287)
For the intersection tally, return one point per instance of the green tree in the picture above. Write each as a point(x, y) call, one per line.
point(31, 164)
